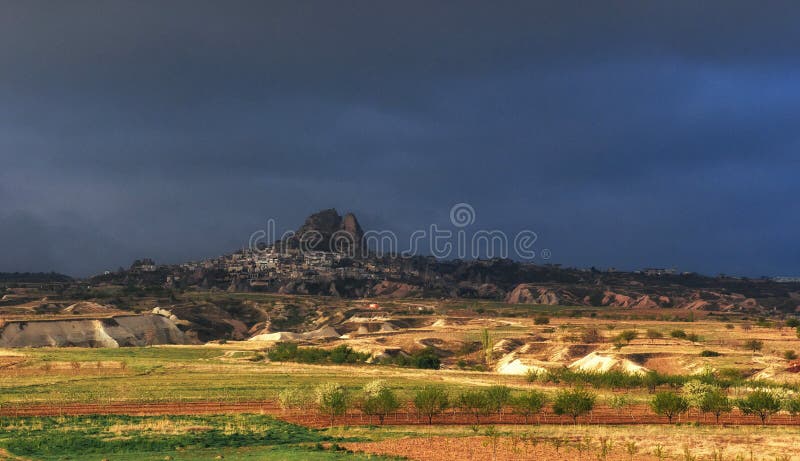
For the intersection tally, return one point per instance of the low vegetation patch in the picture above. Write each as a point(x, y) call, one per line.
point(78, 436)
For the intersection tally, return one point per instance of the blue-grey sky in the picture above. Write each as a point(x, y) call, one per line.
point(624, 133)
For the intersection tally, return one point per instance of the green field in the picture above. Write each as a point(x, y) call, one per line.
point(231, 437)
point(190, 373)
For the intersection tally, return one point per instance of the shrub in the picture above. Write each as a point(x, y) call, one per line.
point(533, 375)
point(345, 354)
point(541, 320)
point(763, 322)
point(529, 403)
point(290, 352)
point(669, 404)
point(574, 402)
point(792, 322)
point(678, 334)
point(754, 345)
point(627, 336)
point(709, 353)
point(792, 405)
point(430, 401)
point(654, 334)
point(591, 335)
point(426, 359)
point(618, 402)
point(790, 355)
point(732, 375)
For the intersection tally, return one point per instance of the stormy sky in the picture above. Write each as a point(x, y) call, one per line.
point(624, 134)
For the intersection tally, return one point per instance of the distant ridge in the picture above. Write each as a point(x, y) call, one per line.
point(33, 277)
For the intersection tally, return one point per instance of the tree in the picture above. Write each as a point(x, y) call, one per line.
point(618, 402)
point(486, 346)
point(497, 397)
point(475, 403)
point(293, 398)
point(695, 391)
point(430, 401)
point(627, 336)
point(651, 380)
point(760, 402)
point(331, 400)
point(716, 402)
point(669, 404)
point(529, 403)
point(754, 345)
point(379, 402)
point(574, 402)
point(654, 334)
point(792, 405)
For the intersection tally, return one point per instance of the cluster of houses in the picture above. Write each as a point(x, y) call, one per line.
point(267, 266)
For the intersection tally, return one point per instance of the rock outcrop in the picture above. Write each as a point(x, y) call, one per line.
point(118, 331)
point(386, 289)
point(529, 294)
point(328, 231)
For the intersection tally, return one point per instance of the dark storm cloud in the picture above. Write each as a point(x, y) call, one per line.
point(624, 133)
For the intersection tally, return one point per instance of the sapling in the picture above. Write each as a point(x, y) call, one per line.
point(631, 449)
point(658, 452)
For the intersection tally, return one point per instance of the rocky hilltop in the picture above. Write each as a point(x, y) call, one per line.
point(327, 231)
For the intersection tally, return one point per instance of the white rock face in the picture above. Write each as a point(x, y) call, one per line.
point(600, 363)
point(125, 330)
point(322, 333)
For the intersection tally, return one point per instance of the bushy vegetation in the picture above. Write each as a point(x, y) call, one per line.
point(724, 378)
point(760, 402)
point(431, 401)
point(379, 400)
point(753, 345)
point(709, 353)
point(529, 403)
point(80, 436)
point(331, 400)
point(291, 352)
point(541, 320)
point(574, 403)
point(669, 404)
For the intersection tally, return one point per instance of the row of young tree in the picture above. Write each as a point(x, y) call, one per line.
point(714, 400)
point(378, 399)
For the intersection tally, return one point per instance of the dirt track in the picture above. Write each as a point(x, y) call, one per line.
point(640, 414)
